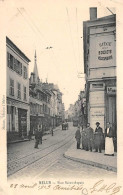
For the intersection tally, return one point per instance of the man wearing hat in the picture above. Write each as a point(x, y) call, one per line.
point(89, 132)
point(98, 137)
point(78, 137)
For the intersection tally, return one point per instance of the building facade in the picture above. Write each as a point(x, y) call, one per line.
point(99, 37)
point(18, 112)
point(45, 102)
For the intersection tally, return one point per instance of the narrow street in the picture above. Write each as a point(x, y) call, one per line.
point(24, 161)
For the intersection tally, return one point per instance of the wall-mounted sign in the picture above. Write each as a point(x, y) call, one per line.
point(105, 52)
point(102, 51)
point(111, 90)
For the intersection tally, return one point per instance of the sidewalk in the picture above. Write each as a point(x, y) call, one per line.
point(92, 158)
point(33, 137)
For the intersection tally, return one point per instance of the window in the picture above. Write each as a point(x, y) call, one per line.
point(41, 109)
point(19, 90)
point(18, 67)
point(10, 61)
point(24, 93)
point(25, 72)
point(11, 90)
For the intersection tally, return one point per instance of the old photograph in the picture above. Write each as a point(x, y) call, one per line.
point(61, 95)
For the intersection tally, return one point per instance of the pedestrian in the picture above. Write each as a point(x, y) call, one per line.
point(52, 131)
point(78, 137)
point(86, 139)
point(83, 139)
point(89, 137)
point(98, 138)
point(37, 137)
point(109, 145)
point(40, 135)
point(30, 135)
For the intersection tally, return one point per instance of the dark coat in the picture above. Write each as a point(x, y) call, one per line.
point(98, 136)
point(37, 135)
point(110, 133)
point(89, 131)
point(78, 135)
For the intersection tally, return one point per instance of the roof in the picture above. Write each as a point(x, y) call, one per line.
point(9, 42)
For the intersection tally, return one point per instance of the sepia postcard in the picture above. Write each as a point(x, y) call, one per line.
point(61, 90)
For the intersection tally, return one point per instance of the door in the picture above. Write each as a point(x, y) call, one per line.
point(112, 110)
point(22, 122)
point(13, 118)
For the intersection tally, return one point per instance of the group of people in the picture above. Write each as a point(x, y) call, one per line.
point(94, 140)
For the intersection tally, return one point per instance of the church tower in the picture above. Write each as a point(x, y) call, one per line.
point(35, 70)
point(34, 74)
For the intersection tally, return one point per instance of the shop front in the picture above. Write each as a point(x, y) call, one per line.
point(22, 122)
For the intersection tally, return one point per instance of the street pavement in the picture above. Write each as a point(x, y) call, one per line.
point(24, 161)
point(92, 158)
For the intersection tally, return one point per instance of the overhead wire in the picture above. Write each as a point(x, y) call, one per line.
point(110, 10)
point(72, 39)
point(78, 43)
point(77, 35)
point(44, 39)
point(40, 35)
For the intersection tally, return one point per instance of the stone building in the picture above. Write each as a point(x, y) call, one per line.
point(18, 114)
point(44, 102)
point(99, 38)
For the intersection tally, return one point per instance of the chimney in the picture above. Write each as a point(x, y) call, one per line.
point(93, 13)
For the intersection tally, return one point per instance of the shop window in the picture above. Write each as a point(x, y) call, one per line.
point(8, 109)
point(18, 90)
point(11, 89)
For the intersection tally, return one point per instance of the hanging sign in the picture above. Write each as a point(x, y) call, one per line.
point(111, 90)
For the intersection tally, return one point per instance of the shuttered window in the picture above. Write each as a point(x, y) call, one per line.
point(11, 89)
point(18, 90)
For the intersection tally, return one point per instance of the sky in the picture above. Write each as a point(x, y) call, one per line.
point(35, 25)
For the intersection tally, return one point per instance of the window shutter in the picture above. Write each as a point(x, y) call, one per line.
point(21, 68)
point(8, 59)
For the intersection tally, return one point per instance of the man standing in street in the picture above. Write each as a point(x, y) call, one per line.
point(89, 137)
point(78, 137)
point(83, 139)
point(37, 138)
point(40, 135)
point(52, 131)
point(98, 138)
point(109, 146)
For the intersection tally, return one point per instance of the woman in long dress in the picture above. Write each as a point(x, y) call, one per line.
point(109, 145)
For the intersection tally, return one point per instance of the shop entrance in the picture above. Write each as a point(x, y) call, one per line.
point(22, 122)
point(112, 111)
point(112, 117)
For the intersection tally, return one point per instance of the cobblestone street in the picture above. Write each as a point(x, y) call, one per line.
point(48, 160)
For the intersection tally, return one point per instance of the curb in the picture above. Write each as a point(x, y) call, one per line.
point(91, 163)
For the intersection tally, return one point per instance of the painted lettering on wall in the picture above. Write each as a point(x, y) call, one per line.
point(105, 52)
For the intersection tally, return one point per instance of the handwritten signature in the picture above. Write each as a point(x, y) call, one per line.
point(100, 186)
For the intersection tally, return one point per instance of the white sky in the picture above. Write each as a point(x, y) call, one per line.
point(37, 24)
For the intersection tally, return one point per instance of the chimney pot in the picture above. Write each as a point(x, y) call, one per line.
point(93, 13)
